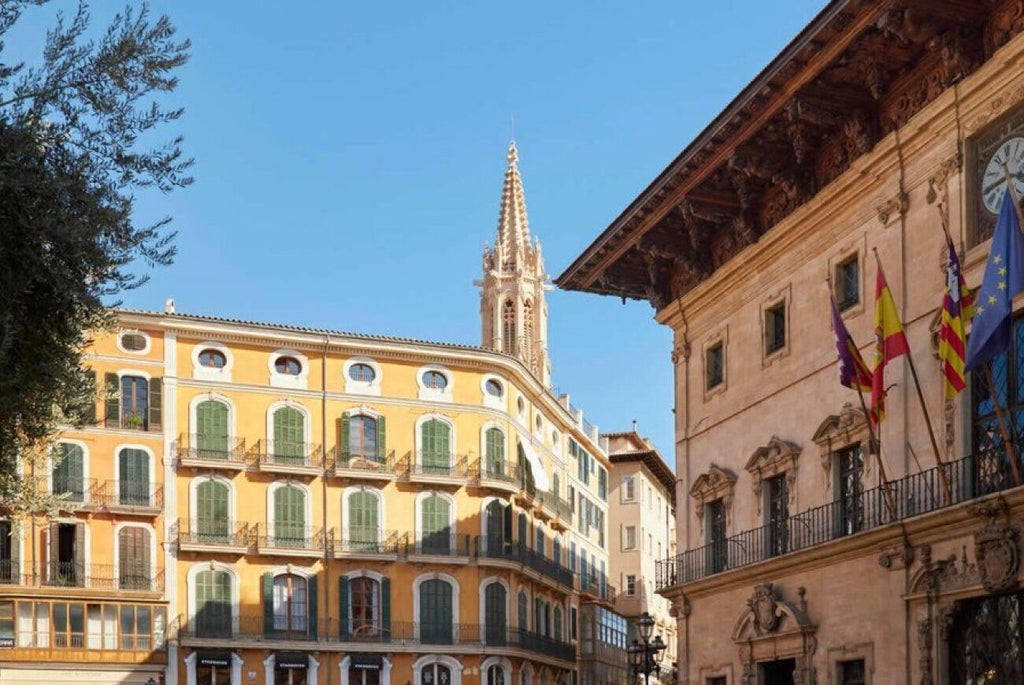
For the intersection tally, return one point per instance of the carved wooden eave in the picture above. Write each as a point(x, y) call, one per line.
point(860, 70)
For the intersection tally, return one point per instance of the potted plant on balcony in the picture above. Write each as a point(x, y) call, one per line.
point(133, 421)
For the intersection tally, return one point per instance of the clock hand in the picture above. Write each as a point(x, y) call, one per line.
point(1017, 177)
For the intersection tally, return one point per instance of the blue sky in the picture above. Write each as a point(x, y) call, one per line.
point(349, 161)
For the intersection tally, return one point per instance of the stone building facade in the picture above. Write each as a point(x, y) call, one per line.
point(879, 122)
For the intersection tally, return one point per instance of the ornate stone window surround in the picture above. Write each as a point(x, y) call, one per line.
point(783, 296)
point(779, 457)
point(855, 247)
point(835, 655)
point(772, 628)
point(847, 428)
point(716, 484)
point(719, 337)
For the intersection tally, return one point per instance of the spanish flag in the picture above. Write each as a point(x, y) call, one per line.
point(957, 307)
point(890, 341)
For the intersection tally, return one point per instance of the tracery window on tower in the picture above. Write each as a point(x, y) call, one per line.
point(508, 323)
point(528, 331)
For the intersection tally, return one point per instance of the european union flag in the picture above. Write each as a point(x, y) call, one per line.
point(1004, 278)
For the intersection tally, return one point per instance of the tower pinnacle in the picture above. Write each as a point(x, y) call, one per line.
point(512, 306)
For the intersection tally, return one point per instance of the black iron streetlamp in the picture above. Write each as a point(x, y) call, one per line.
point(645, 654)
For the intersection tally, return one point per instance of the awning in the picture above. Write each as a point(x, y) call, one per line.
point(367, 662)
point(540, 474)
point(291, 660)
point(205, 657)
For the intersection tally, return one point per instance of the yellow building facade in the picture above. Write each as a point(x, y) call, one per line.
point(277, 504)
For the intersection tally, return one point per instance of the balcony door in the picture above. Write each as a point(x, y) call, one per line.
point(435, 612)
point(212, 512)
point(133, 481)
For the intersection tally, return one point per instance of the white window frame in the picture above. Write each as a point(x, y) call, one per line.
point(284, 380)
point(134, 331)
point(627, 489)
point(206, 373)
point(354, 387)
point(435, 394)
point(489, 400)
point(274, 487)
point(626, 545)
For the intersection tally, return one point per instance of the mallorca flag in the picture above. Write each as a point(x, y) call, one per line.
point(957, 306)
point(890, 342)
point(853, 372)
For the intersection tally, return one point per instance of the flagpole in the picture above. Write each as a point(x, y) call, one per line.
point(1013, 195)
point(1000, 418)
point(924, 407)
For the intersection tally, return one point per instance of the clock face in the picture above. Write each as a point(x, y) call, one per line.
point(993, 183)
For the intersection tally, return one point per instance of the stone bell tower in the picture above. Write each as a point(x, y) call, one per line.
point(513, 310)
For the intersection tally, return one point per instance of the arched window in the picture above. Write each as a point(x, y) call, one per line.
point(435, 514)
point(525, 677)
point(435, 380)
point(289, 436)
point(288, 366)
point(213, 603)
point(212, 429)
point(497, 537)
point(363, 521)
point(435, 674)
point(213, 359)
point(69, 472)
point(521, 524)
point(528, 330)
point(365, 606)
point(495, 460)
point(436, 613)
point(508, 327)
point(558, 623)
point(556, 550)
point(133, 558)
point(495, 620)
point(212, 512)
point(495, 674)
point(290, 604)
point(522, 612)
point(540, 538)
point(290, 516)
point(435, 447)
point(362, 372)
point(362, 437)
point(133, 484)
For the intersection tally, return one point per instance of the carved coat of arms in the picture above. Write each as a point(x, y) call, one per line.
point(997, 555)
point(766, 612)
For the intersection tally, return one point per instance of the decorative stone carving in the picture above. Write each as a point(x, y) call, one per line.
point(997, 555)
point(766, 612)
point(848, 427)
point(776, 458)
point(897, 205)
point(896, 558)
point(924, 645)
point(938, 183)
point(717, 483)
point(945, 621)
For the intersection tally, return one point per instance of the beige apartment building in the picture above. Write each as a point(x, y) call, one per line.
point(642, 506)
point(881, 119)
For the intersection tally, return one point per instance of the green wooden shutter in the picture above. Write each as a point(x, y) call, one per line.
point(313, 610)
point(212, 510)
point(289, 435)
point(382, 441)
point(385, 607)
point(436, 532)
point(290, 515)
point(436, 448)
point(268, 603)
point(133, 483)
point(344, 619)
point(212, 429)
point(363, 520)
point(155, 404)
point(112, 416)
point(80, 554)
point(68, 474)
point(495, 452)
point(346, 439)
point(89, 411)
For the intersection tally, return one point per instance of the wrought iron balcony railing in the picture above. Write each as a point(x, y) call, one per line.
point(128, 577)
point(281, 453)
point(342, 458)
point(942, 486)
point(293, 538)
point(370, 541)
point(219, 532)
point(127, 494)
point(499, 548)
point(211, 448)
point(441, 465)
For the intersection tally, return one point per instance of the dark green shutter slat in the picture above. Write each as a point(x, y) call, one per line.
point(155, 404)
point(385, 606)
point(343, 618)
point(346, 437)
point(382, 442)
point(212, 429)
point(112, 416)
point(313, 612)
point(268, 603)
point(89, 413)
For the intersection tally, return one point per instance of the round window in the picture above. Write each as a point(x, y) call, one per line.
point(288, 366)
point(362, 372)
point(213, 359)
point(133, 342)
point(493, 388)
point(435, 380)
